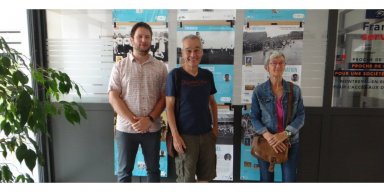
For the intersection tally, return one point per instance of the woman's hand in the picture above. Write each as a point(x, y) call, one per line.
point(276, 141)
point(279, 148)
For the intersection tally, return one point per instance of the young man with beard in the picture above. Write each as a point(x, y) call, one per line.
point(136, 93)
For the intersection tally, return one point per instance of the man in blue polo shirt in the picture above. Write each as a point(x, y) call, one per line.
point(194, 128)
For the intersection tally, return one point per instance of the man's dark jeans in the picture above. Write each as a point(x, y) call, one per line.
point(128, 144)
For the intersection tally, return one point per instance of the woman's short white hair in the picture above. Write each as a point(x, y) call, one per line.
point(273, 55)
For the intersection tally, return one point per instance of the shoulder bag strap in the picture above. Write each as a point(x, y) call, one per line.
point(177, 92)
point(290, 103)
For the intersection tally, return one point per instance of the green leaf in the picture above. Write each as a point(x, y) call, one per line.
point(30, 159)
point(29, 179)
point(29, 89)
point(6, 173)
point(71, 114)
point(50, 108)
point(6, 127)
point(38, 76)
point(5, 154)
point(6, 62)
point(81, 109)
point(21, 152)
point(32, 121)
point(53, 85)
point(64, 87)
point(40, 114)
point(34, 143)
point(4, 66)
point(4, 150)
point(68, 114)
point(11, 144)
point(77, 90)
point(19, 76)
point(20, 177)
point(57, 75)
point(76, 116)
point(10, 117)
point(23, 107)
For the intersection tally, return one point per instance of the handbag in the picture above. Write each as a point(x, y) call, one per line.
point(261, 149)
point(168, 138)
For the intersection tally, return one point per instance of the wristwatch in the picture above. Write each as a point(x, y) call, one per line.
point(151, 118)
point(289, 134)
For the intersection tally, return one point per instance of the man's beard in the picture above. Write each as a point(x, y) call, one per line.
point(142, 51)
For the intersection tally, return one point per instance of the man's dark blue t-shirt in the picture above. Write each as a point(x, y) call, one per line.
point(194, 117)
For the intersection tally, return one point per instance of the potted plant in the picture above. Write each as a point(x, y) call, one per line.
point(24, 114)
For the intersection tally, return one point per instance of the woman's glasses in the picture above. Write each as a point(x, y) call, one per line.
point(274, 64)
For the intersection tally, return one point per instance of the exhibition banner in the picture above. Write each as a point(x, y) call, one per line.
point(264, 32)
point(224, 144)
point(218, 55)
point(249, 166)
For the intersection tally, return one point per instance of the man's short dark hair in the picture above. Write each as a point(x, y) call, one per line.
point(140, 24)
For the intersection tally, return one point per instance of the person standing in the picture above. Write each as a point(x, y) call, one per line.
point(269, 112)
point(136, 93)
point(195, 129)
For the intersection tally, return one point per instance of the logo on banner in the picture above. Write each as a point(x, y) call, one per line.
point(374, 14)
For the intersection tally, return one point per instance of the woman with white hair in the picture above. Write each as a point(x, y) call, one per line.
point(269, 116)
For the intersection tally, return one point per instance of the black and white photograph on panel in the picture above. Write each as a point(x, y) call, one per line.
point(226, 125)
point(218, 46)
point(122, 44)
point(259, 41)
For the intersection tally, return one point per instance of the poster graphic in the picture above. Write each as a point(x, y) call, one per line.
point(122, 44)
point(262, 35)
point(206, 14)
point(224, 144)
point(275, 14)
point(123, 22)
point(217, 55)
point(249, 166)
point(222, 75)
point(139, 15)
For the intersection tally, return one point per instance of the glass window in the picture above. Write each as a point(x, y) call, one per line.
point(80, 44)
point(359, 64)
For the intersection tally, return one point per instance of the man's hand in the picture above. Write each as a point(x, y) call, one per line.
point(142, 124)
point(178, 143)
point(215, 131)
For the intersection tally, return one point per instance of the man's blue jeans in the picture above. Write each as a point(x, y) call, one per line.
point(128, 144)
point(289, 168)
